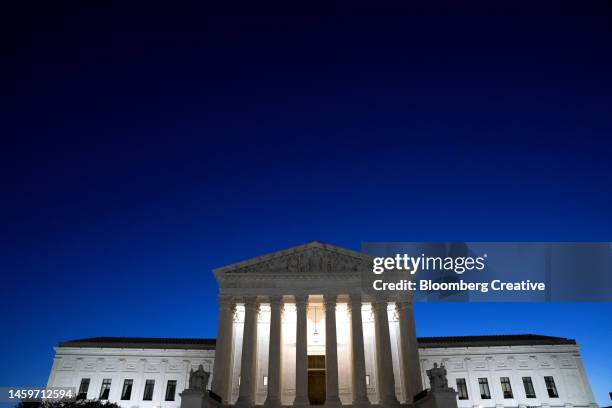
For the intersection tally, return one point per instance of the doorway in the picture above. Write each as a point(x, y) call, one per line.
point(316, 380)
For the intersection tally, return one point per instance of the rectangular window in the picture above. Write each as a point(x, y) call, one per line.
point(529, 391)
point(83, 388)
point(265, 380)
point(462, 389)
point(506, 387)
point(170, 390)
point(105, 389)
point(148, 391)
point(483, 384)
point(126, 392)
point(367, 379)
point(551, 387)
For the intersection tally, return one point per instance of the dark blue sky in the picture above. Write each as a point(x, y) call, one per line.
point(143, 146)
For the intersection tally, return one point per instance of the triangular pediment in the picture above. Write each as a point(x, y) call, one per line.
point(314, 258)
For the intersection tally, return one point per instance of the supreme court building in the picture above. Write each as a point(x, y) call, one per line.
point(295, 329)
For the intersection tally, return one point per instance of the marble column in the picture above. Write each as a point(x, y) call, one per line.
point(409, 351)
point(332, 397)
point(221, 368)
point(360, 390)
point(301, 353)
point(248, 362)
point(384, 362)
point(274, 354)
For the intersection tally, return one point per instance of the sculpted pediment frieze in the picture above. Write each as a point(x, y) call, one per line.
point(309, 260)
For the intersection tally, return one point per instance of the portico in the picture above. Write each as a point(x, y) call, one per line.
point(295, 329)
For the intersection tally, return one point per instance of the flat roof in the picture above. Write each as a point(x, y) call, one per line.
point(142, 342)
point(424, 342)
point(492, 340)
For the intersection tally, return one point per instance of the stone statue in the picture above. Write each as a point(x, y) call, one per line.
point(196, 395)
point(198, 380)
point(437, 377)
point(439, 395)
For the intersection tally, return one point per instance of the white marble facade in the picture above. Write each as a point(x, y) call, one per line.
point(278, 310)
point(97, 362)
point(532, 359)
point(561, 361)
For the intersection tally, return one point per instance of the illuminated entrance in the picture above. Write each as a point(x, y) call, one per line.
point(316, 380)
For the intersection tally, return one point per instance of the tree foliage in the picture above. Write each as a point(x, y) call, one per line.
point(68, 403)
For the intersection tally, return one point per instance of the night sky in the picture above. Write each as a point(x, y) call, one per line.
point(142, 146)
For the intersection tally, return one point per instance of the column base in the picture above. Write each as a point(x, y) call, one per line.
point(272, 403)
point(390, 402)
point(333, 402)
point(301, 402)
point(244, 402)
point(362, 403)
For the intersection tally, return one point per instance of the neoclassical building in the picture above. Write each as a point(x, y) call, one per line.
point(295, 329)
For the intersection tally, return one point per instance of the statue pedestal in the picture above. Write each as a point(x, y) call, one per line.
point(192, 398)
point(437, 398)
point(198, 399)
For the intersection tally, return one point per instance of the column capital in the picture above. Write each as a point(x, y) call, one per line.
point(330, 300)
point(354, 302)
point(226, 301)
point(301, 301)
point(275, 300)
point(251, 302)
point(403, 305)
point(379, 304)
